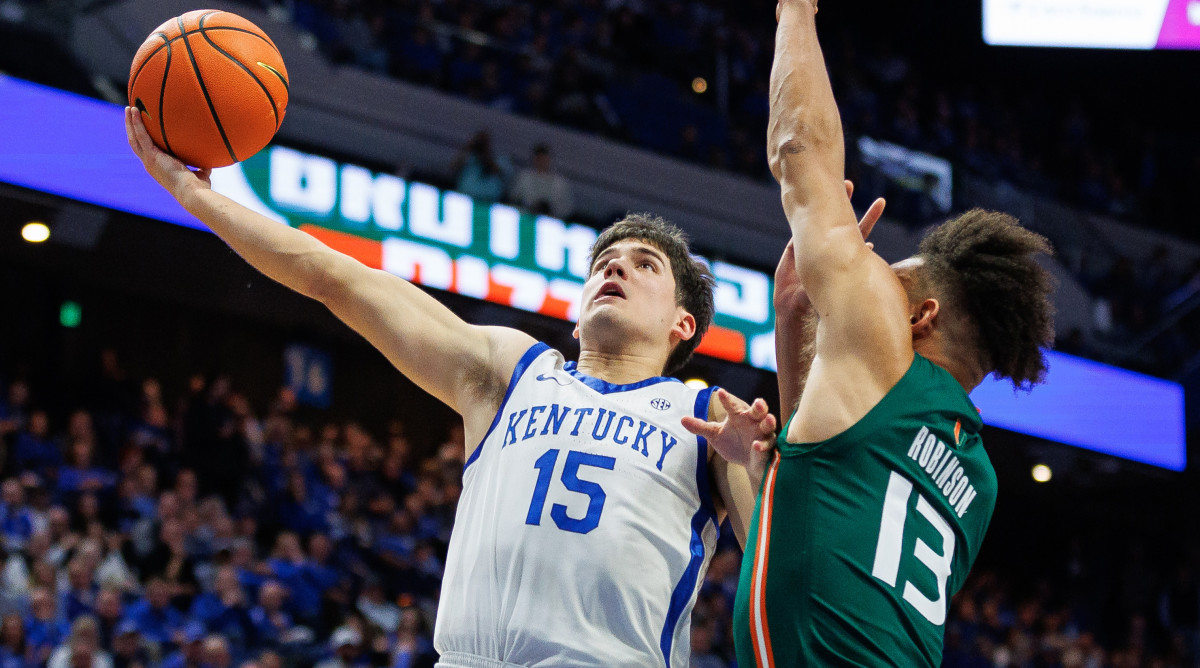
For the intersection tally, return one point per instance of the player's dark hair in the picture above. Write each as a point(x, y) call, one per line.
point(694, 282)
point(983, 263)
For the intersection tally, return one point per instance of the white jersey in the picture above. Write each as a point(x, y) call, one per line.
point(585, 525)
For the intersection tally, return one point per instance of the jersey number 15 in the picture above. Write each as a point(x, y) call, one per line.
point(570, 480)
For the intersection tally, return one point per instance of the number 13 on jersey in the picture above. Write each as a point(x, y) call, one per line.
point(889, 548)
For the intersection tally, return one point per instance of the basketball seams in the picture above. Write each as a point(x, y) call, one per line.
point(261, 85)
point(133, 79)
point(204, 89)
point(167, 44)
point(162, 94)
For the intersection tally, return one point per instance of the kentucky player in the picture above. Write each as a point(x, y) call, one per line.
point(587, 516)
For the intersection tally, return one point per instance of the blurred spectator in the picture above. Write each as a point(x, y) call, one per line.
point(541, 189)
point(82, 648)
point(189, 652)
point(345, 644)
point(128, 650)
point(16, 519)
point(157, 620)
point(45, 629)
point(34, 452)
point(13, 653)
point(479, 172)
point(215, 653)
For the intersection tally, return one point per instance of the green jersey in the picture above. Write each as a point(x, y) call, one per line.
point(858, 542)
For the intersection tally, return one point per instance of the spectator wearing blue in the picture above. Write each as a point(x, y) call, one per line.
point(299, 511)
point(45, 629)
point(319, 570)
point(271, 620)
point(250, 573)
point(287, 564)
point(128, 650)
point(12, 643)
point(189, 654)
point(157, 620)
point(225, 611)
point(80, 596)
point(80, 474)
point(34, 451)
point(16, 519)
point(412, 646)
point(480, 173)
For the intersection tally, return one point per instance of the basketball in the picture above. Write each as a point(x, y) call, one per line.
point(211, 88)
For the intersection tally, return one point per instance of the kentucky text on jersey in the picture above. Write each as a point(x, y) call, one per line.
point(601, 424)
point(939, 461)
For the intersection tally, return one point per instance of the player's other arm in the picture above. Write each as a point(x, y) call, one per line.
point(860, 302)
point(456, 362)
point(740, 437)
point(795, 321)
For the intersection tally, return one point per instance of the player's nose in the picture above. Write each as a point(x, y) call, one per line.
point(616, 266)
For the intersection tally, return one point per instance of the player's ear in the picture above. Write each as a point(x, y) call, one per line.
point(922, 318)
point(575, 332)
point(685, 325)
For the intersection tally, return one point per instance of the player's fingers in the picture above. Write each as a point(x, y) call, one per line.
point(731, 403)
point(760, 408)
point(701, 427)
point(871, 217)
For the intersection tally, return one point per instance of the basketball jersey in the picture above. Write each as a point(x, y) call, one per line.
point(584, 528)
point(859, 542)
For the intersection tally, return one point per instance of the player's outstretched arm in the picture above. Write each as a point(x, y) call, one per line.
point(861, 303)
point(458, 363)
point(795, 328)
point(743, 437)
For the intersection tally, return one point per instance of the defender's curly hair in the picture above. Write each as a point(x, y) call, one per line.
point(694, 282)
point(983, 263)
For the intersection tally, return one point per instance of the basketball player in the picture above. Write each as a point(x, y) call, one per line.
point(876, 503)
point(588, 514)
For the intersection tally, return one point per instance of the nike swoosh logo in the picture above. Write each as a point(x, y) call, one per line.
point(275, 72)
point(553, 378)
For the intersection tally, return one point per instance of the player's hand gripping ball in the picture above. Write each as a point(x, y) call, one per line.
point(210, 86)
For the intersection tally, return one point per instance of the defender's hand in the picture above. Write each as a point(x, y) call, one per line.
point(789, 293)
point(746, 434)
point(170, 173)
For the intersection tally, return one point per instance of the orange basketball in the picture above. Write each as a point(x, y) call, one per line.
point(211, 87)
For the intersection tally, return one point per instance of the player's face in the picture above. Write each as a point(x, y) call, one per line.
point(631, 287)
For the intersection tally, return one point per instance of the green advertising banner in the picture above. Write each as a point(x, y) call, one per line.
point(446, 240)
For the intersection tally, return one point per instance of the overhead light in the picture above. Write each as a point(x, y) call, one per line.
point(35, 232)
point(696, 383)
point(1041, 473)
point(699, 85)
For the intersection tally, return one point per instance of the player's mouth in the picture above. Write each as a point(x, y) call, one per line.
point(610, 291)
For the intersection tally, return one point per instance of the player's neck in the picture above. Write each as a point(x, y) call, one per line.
point(619, 368)
point(969, 378)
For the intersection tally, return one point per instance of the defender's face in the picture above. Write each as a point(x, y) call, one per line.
point(632, 283)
